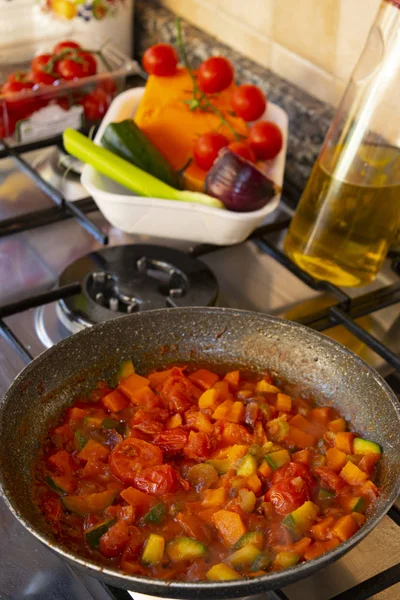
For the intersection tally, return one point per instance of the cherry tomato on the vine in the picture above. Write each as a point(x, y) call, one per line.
point(243, 150)
point(206, 149)
point(95, 104)
point(64, 45)
point(265, 138)
point(77, 65)
point(215, 74)
point(39, 67)
point(248, 102)
point(161, 60)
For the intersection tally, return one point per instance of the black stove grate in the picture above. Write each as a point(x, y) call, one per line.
point(343, 312)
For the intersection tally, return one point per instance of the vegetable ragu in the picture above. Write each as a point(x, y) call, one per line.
point(188, 475)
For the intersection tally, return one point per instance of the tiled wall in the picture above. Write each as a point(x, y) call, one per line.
point(313, 43)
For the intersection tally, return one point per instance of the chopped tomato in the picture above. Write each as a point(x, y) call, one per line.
point(131, 456)
point(158, 480)
point(331, 479)
point(288, 494)
point(198, 446)
point(113, 542)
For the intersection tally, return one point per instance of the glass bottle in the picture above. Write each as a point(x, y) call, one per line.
point(349, 213)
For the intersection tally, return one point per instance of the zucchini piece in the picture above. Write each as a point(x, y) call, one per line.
point(247, 465)
point(255, 538)
point(56, 484)
point(222, 572)
point(300, 519)
point(325, 494)
point(126, 368)
point(128, 141)
point(278, 429)
point(156, 515)
point(93, 535)
point(80, 440)
point(262, 561)
point(221, 465)
point(284, 560)
point(244, 557)
point(361, 446)
point(153, 550)
point(91, 503)
point(94, 422)
point(113, 424)
point(278, 458)
point(185, 548)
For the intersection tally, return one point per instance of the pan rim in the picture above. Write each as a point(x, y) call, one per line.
point(226, 589)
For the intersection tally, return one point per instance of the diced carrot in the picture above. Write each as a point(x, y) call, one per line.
point(158, 377)
point(229, 411)
point(337, 425)
point(352, 474)
point(301, 439)
point(233, 433)
point(283, 402)
point(62, 435)
point(303, 424)
point(204, 379)
point(321, 531)
point(215, 498)
point(206, 514)
point(254, 484)
point(199, 421)
point(265, 470)
point(335, 459)
point(63, 462)
point(301, 546)
point(302, 456)
point(368, 462)
point(174, 421)
point(229, 525)
point(318, 548)
point(369, 491)
point(94, 451)
point(115, 401)
point(139, 500)
point(344, 441)
point(233, 378)
point(222, 388)
point(209, 399)
point(132, 384)
point(75, 415)
point(344, 528)
point(320, 415)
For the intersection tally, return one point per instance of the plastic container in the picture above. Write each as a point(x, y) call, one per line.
point(47, 110)
point(172, 219)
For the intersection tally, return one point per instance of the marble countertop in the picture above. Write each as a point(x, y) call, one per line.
point(309, 118)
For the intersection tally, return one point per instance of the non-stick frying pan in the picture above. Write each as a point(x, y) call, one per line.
point(309, 361)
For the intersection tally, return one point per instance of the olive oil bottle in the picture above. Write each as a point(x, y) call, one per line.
point(349, 213)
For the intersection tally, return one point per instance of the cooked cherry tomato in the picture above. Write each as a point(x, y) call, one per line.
point(172, 441)
point(215, 74)
point(83, 64)
point(206, 149)
point(198, 446)
point(294, 470)
point(265, 138)
point(64, 45)
point(38, 70)
point(179, 392)
point(113, 542)
point(131, 456)
point(161, 60)
point(15, 87)
point(243, 150)
point(248, 102)
point(330, 478)
point(95, 104)
point(18, 76)
point(288, 494)
point(158, 480)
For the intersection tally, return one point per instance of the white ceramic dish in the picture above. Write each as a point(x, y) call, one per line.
point(169, 218)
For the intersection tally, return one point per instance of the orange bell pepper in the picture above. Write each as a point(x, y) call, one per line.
point(115, 401)
point(337, 425)
point(230, 526)
point(131, 385)
point(344, 528)
point(204, 379)
point(301, 439)
point(335, 459)
point(344, 441)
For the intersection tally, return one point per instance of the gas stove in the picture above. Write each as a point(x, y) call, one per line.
point(58, 277)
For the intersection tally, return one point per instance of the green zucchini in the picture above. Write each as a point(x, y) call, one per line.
point(79, 440)
point(153, 550)
point(262, 562)
point(156, 515)
point(247, 465)
point(255, 538)
point(128, 141)
point(56, 484)
point(91, 503)
point(221, 465)
point(222, 572)
point(325, 494)
point(287, 559)
point(301, 519)
point(93, 535)
point(94, 422)
point(278, 458)
point(244, 557)
point(361, 446)
point(185, 548)
point(125, 370)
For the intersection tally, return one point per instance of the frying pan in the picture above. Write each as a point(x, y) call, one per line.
point(310, 361)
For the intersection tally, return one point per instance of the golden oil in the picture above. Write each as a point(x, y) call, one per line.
point(344, 227)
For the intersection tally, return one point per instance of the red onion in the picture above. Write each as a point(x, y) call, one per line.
point(238, 183)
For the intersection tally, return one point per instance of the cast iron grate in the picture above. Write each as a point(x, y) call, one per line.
point(343, 312)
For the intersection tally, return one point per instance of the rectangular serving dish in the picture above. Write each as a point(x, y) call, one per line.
point(169, 218)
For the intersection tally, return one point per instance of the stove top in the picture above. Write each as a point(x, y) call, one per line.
point(112, 280)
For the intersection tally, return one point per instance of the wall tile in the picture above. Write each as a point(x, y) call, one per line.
point(309, 28)
point(258, 14)
point(306, 75)
point(355, 20)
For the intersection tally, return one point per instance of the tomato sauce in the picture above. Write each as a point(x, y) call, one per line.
point(188, 475)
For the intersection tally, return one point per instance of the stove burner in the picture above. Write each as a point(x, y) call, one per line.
point(126, 279)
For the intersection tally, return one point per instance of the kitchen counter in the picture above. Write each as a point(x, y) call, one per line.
point(309, 118)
